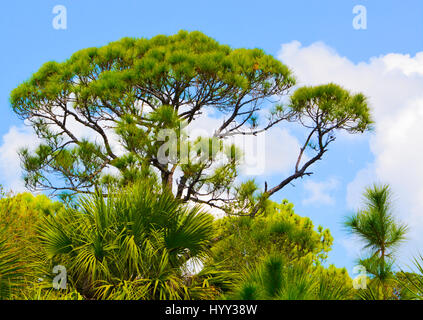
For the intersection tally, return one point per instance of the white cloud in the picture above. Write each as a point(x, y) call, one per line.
point(394, 86)
point(353, 247)
point(319, 193)
point(364, 178)
point(10, 170)
point(272, 152)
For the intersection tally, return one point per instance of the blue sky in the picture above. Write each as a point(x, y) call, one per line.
point(393, 27)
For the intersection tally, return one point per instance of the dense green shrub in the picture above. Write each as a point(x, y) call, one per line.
point(243, 241)
point(134, 244)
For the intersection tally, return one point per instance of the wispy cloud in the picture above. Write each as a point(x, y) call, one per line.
point(319, 193)
point(10, 169)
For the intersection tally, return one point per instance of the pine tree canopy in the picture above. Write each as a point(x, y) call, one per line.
point(101, 114)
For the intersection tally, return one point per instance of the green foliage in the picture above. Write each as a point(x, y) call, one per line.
point(246, 197)
point(376, 224)
point(135, 99)
point(19, 217)
point(127, 92)
point(135, 244)
point(333, 106)
point(243, 241)
point(411, 283)
point(114, 123)
point(10, 268)
point(382, 235)
point(277, 278)
point(43, 290)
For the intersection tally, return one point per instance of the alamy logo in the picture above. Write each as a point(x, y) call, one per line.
point(60, 281)
point(360, 282)
point(60, 20)
point(360, 20)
